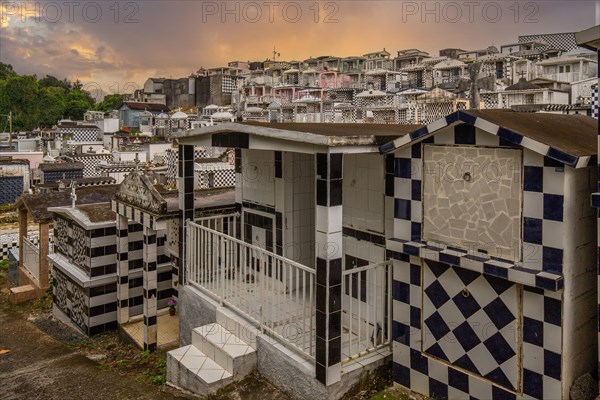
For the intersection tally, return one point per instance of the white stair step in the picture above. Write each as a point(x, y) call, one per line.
point(190, 369)
point(237, 325)
point(225, 348)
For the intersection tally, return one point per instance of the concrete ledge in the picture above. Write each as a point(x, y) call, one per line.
point(277, 364)
point(296, 380)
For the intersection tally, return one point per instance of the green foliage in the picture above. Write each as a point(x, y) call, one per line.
point(6, 70)
point(159, 375)
point(4, 265)
point(110, 102)
point(78, 102)
point(41, 103)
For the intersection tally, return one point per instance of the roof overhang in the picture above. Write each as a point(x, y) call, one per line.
point(589, 38)
point(566, 157)
point(273, 138)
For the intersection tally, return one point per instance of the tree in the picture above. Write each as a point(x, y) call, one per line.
point(110, 102)
point(40, 103)
point(78, 102)
point(51, 81)
point(52, 105)
point(19, 95)
point(6, 70)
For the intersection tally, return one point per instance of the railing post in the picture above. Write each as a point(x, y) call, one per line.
point(222, 262)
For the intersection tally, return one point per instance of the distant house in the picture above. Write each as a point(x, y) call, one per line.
point(129, 112)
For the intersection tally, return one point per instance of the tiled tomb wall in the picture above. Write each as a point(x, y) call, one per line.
point(276, 196)
point(55, 176)
point(93, 253)
point(485, 327)
point(12, 187)
point(363, 233)
point(214, 175)
point(9, 241)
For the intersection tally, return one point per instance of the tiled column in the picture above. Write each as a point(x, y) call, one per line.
point(329, 267)
point(122, 225)
point(186, 201)
point(150, 289)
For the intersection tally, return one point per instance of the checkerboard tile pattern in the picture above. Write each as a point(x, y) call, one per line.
point(171, 158)
point(9, 241)
point(543, 194)
point(414, 365)
point(595, 103)
point(459, 308)
point(563, 41)
point(91, 164)
point(223, 175)
point(81, 134)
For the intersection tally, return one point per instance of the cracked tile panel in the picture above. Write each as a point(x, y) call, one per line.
point(472, 198)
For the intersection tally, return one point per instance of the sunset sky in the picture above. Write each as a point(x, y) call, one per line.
point(117, 44)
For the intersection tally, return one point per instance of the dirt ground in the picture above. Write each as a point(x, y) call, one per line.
point(48, 360)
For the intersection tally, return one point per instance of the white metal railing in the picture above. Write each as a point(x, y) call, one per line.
point(31, 258)
point(366, 309)
point(276, 293)
point(225, 223)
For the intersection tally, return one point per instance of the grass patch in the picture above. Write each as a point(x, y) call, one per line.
point(4, 265)
point(6, 207)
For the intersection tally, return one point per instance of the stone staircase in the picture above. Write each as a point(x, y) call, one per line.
point(221, 353)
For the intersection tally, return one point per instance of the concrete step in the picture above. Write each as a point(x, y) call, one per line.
point(190, 369)
point(238, 325)
point(21, 294)
point(225, 348)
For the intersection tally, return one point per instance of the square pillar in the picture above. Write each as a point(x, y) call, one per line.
point(122, 225)
point(186, 201)
point(43, 245)
point(329, 170)
point(150, 289)
point(22, 233)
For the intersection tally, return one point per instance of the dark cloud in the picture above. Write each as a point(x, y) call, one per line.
point(174, 38)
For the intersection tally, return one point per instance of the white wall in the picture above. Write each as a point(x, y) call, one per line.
point(157, 148)
point(258, 183)
point(580, 318)
point(128, 156)
point(298, 172)
point(363, 192)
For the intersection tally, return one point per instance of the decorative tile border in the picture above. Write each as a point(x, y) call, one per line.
point(478, 262)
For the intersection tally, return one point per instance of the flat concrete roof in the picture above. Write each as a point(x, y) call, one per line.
point(325, 134)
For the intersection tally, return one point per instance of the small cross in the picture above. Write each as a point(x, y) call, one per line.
point(521, 73)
